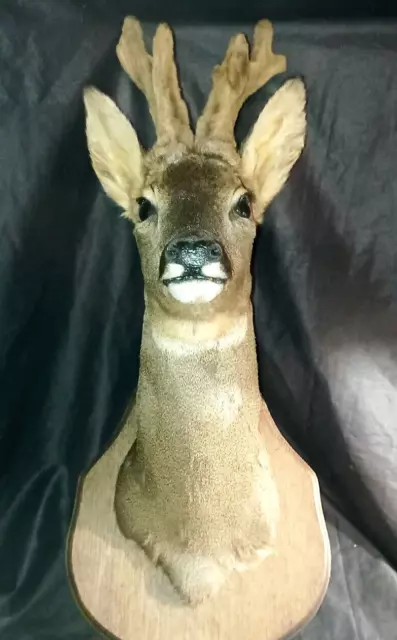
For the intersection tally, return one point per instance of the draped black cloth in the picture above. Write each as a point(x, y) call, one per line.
point(71, 294)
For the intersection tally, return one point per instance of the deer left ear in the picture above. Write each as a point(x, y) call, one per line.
point(275, 143)
point(114, 149)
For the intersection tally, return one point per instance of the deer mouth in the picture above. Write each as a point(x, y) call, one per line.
point(193, 286)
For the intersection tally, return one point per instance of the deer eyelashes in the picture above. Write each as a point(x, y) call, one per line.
point(242, 208)
point(146, 209)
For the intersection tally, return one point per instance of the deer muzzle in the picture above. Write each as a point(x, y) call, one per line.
point(194, 269)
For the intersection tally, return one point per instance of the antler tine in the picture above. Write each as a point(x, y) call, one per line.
point(228, 80)
point(238, 77)
point(264, 62)
point(136, 61)
point(170, 104)
point(156, 77)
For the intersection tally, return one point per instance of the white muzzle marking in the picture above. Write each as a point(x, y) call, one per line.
point(213, 270)
point(191, 291)
point(173, 270)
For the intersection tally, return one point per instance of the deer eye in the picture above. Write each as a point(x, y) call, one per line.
point(146, 209)
point(243, 206)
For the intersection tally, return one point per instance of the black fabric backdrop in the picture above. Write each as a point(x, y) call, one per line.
point(71, 302)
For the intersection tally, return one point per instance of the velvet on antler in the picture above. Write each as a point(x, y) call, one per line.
point(156, 76)
point(239, 76)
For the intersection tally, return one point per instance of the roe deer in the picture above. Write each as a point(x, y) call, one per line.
point(196, 490)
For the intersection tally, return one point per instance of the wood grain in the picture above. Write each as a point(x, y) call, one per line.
point(121, 591)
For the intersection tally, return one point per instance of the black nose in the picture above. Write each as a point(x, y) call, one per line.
point(193, 253)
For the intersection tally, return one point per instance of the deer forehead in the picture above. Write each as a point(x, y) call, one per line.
point(193, 176)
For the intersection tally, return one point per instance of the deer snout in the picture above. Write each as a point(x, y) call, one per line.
point(193, 254)
point(194, 269)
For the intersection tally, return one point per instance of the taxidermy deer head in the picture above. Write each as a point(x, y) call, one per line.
point(196, 490)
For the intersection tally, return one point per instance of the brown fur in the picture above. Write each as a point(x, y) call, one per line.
point(196, 490)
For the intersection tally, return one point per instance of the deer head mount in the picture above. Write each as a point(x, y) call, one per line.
point(196, 489)
point(194, 199)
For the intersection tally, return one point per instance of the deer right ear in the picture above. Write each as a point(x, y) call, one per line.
point(276, 142)
point(114, 148)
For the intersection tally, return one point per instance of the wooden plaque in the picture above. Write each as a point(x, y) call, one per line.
point(127, 597)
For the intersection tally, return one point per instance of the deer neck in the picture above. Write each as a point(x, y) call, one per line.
point(198, 477)
point(198, 388)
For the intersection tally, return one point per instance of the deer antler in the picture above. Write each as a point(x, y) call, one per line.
point(238, 77)
point(156, 77)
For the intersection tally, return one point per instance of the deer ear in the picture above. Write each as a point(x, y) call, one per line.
point(275, 143)
point(114, 148)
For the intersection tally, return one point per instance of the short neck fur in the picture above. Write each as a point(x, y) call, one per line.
point(198, 405)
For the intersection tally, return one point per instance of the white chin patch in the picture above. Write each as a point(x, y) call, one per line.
point(195, 291)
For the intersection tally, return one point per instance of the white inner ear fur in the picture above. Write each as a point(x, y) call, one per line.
point(276, 141)
point(114, 148)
